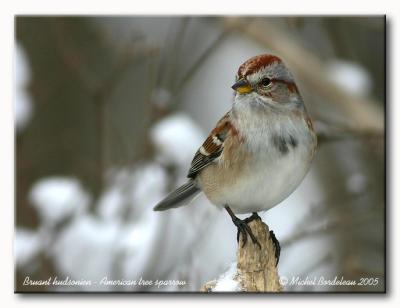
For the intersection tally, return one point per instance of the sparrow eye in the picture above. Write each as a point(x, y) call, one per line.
point(265, 82)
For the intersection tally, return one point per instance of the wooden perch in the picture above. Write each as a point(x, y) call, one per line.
point(256, 268)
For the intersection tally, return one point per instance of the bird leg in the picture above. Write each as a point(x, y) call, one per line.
point(243, 227)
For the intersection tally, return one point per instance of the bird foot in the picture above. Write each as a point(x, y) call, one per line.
point(253, 216)
point(243, 227)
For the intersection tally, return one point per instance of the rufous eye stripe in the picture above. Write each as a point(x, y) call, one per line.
point(291, 86)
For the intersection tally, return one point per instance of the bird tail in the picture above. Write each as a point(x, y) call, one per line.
point(179, 197)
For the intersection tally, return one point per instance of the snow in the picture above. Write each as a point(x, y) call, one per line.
point(22, 69)
point(226, 282)
point(56, 198)
point(149, 187)
point(129, 200)
point(109, 244)
point(176, 138)
point(350, 76)
point(85, 249)
point(140, 189)
point(138, 242)
point(27, 246)
point(22, 101)
point(111, 203)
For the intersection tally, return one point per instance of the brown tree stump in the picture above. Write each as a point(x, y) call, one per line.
point(256, 268)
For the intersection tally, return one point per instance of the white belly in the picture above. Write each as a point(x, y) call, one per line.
point(271, 174)
point(266, 182)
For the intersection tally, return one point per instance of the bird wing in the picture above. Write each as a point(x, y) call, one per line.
point(212, 148)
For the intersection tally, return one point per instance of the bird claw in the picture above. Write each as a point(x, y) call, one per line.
point(253, 216)
point(277, 246)
point(244, 229)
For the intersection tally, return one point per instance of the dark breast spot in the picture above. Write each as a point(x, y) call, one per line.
point(280, 143)
point(292, 141)
point(283, 142)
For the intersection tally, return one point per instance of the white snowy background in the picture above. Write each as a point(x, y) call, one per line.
point(115, 233)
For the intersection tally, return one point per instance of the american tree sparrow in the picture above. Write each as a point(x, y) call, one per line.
point(259, 151)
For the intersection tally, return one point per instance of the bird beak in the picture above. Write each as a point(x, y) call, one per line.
point(242, 86)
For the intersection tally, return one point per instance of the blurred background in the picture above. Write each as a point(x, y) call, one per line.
point(110, 110)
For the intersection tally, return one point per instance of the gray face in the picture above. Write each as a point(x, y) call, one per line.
point(274, 86)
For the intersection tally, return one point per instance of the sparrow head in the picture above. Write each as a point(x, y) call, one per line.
point(266, 80)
